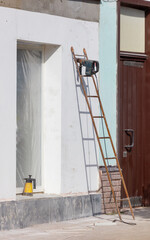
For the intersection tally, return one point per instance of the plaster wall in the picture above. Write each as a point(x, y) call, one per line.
point(78, 9)
point(63, 155)
point(51, 109)
point(108, 63)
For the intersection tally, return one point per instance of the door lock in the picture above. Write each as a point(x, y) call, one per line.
point(125, 154)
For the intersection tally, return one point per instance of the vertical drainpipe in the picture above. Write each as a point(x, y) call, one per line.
point(108, 64)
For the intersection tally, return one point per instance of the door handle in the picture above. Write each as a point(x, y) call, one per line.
point(130, 133)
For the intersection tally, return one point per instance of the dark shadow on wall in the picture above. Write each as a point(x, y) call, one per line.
point(91, 138)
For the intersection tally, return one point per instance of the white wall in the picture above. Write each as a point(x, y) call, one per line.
point(51, 92)
point(63, 156)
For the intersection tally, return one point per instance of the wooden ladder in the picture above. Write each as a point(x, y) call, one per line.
point(76, 57)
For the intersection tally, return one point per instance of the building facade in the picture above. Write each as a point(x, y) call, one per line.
point(41, 126)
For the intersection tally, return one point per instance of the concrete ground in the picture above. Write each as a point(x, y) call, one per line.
point(93, 228)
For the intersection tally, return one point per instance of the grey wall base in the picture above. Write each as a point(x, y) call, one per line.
point(27, 212)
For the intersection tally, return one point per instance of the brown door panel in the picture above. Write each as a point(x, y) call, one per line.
point(130, 117)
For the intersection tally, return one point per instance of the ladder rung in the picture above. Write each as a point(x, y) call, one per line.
point(91, 165)
point(93, 96)
point(79, 55)
point(98, 117)
point(84, 76)
point(84, 112)
point(79, 85)
point(88, 139)
point(111, 158)
point(104, 137)
point(123, 199)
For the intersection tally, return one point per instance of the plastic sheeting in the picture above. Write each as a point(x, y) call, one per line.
point(29, 64)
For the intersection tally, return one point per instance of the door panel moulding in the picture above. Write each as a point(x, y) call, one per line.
point(131, 55)
point(138, 4)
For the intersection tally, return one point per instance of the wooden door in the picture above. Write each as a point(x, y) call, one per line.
point(134, 113)
point(132, 75)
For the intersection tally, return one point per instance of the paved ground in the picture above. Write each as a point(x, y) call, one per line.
point(101, 227)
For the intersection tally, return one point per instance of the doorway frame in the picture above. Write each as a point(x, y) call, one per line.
point(141, 5)
point(28, 45)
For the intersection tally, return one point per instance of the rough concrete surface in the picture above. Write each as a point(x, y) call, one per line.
point(101, 227)
point(38, 210)
point(78, 9)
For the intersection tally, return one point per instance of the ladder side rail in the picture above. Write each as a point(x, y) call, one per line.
point(96, 132)
point(117, 161)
